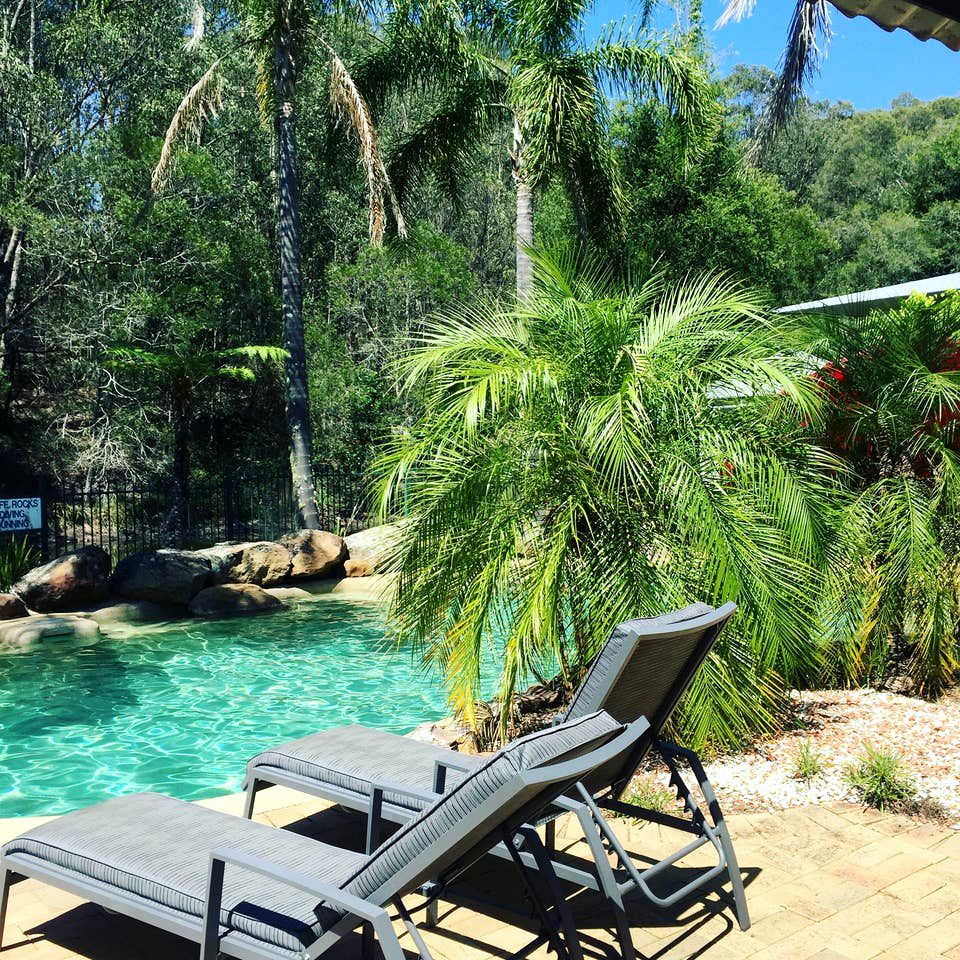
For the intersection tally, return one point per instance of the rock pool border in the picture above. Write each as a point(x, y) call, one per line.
point(225, 580)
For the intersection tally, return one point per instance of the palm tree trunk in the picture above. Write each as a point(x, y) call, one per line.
point(298, 401)
point(524, 238)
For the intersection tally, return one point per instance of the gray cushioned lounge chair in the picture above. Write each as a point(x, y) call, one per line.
point(247, 890)
point(642, 670)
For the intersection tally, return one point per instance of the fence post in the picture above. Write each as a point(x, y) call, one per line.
point(228, 500)
point(42, 493)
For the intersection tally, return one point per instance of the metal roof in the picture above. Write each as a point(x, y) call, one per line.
point(866, 300)
point(925, 19)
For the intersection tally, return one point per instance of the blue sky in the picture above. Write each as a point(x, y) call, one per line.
point(865, 65)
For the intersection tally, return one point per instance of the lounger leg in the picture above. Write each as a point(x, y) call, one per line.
point(432, 915)
point(6, 878)
point(736, 878)
point(210, 948)
point(412, 929)
point(251, 798)
point(608, 882)
point(571, 935)
point(367, 941)
point(551, 930)
point(389, 944)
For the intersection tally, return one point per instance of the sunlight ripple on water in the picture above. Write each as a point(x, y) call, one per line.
point(182, 707)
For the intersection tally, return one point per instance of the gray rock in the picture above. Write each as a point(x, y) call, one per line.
point(373, 546)
point(170, 578)
point(233, 600)
point(70, 582)
point(314, 553)
point(134, 611)
point(28, 632)
point(262, 562)
point(11, 606)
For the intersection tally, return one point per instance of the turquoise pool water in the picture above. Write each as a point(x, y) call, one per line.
point(180, 708)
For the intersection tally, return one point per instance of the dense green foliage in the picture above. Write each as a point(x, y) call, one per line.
point(567, 463)
point(91, 264)
point(598, 454)
point(892, 386)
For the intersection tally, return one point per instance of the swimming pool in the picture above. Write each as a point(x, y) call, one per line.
point(180, 708)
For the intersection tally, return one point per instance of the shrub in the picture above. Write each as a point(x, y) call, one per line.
point(808, 761)
point(603, 452)
point(646, 792)
point(16, 558)
point(882, 779)
point(892, 401)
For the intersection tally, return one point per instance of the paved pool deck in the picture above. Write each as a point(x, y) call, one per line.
point(823, 883)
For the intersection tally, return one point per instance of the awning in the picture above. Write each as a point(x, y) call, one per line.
point(866, 300)
point(926, 19)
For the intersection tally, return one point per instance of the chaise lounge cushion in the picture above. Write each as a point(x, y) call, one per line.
point(351, 758)
point(158, 849)
point(438, 835)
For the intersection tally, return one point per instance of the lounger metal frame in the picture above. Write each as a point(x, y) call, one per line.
point(538, 788)
point(613, 881)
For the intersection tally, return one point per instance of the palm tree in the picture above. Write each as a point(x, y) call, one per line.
point(274, 38)
point(807, 37)
point(595, 454)
point(181, 373)
point(525, 62)
point(893, 392)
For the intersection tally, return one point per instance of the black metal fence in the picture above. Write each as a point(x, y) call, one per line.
point(124, 518)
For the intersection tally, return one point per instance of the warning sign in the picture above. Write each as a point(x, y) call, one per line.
point(21, 514)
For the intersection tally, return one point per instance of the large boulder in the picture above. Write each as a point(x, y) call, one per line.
point(372, 547)
point(170, 578)
point(11, 606)
point(71, 582)
point(262, 562)
point(233, 600)
point(28, 632)
point(314, 553)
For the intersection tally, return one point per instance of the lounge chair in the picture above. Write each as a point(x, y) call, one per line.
point(250, 891)
point(642, 670)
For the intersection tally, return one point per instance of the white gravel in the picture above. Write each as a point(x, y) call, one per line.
point(840, 724)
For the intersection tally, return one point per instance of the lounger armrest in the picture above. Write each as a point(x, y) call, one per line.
point(383, 787)
point(326, 892)
point(363, 910)
point(440, 768)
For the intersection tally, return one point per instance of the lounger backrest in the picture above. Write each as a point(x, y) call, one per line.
point(642, 671)
point(516, 783)
point(646, 665)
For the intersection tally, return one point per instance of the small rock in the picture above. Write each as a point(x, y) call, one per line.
point(261, 562)
point(134, 611)
point(27, 632)
point(314, 553)
point(448, 732)
point(167, 577)
point(70, 582)
point(373, 546)
point(356, 568)
point(233, 600)
point(11, 606)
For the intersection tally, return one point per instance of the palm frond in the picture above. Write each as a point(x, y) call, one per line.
point(352, 107)
point(201, 101)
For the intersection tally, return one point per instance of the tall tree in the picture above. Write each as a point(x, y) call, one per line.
point(276, 37)
point(526, 63)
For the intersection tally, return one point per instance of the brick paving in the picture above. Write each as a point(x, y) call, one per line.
point(823, 883)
